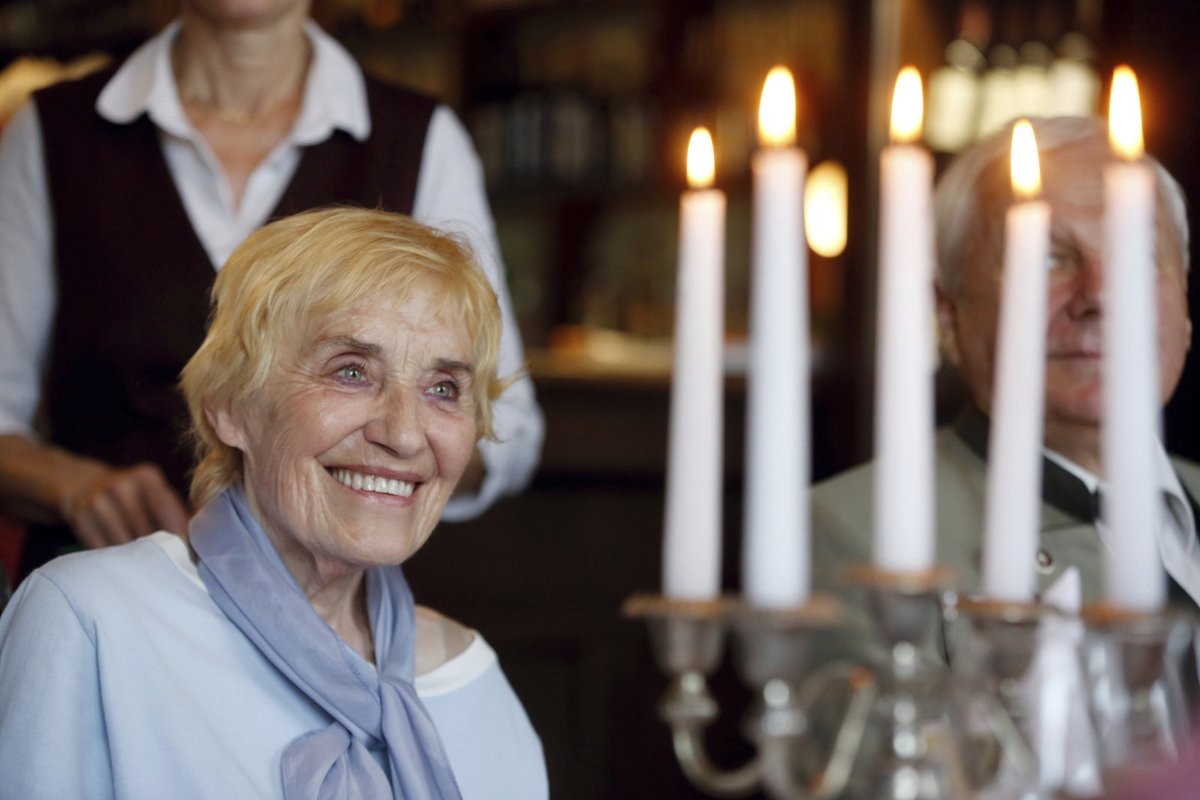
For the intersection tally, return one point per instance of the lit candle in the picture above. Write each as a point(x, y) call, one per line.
point(692, 545)
point(776, 555)
point(903, 522)
point(1133, 572)
point(1014, 486)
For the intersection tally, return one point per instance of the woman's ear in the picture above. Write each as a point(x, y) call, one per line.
point(226, 424)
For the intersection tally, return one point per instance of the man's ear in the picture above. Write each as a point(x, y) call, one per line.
point(947, 320)
point(226, 424)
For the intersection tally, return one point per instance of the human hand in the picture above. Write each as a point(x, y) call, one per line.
point(118, 505)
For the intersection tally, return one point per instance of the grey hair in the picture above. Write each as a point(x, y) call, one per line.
point(956, 199)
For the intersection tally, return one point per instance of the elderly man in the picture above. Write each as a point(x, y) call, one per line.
point(970, 204)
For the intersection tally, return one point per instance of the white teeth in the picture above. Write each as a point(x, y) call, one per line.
point(373, 483)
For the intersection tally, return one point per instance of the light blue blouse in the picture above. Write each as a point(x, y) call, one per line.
point(120, 678)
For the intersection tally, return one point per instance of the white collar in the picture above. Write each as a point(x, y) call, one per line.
point(1090, 480)
point(335, 94)
point(1167, 479)
point(1180, 507)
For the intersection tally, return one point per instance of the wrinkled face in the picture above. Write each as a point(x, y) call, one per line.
point(357, 440)
point(1073, 185)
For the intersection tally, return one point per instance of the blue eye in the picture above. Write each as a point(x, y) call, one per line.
point(446, 389)
point(351, 373)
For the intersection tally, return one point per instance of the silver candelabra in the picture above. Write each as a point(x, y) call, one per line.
point(909, 726)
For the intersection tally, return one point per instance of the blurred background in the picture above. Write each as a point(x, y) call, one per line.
point(581, 110)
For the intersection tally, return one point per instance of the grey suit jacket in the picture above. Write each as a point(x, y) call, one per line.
point(843, 520)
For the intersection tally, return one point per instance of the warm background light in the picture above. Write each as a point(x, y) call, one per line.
point(701, 159)
point(1125, 115)
point(777, 109)
point(908, 106)
point(1026, 169)
point(825, 200)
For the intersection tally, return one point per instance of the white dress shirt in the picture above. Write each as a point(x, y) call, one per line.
point(450, 195)
point(1176, 533)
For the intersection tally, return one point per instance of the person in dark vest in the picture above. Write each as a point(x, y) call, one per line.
point(123, 193)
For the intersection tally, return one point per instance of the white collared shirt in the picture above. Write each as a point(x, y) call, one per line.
point(145, 84)
point(1176, 537)
point(450, 194)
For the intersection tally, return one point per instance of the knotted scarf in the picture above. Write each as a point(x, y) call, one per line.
point(371, 710)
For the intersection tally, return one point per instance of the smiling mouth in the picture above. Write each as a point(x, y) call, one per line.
point(373, 483)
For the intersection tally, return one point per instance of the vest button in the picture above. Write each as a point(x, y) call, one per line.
point(1045, 561)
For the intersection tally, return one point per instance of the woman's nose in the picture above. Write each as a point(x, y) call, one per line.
point(396, 423)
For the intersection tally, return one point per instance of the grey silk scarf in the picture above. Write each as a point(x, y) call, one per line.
point(371, 711)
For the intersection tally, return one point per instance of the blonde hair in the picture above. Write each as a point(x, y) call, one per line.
point(300, 268)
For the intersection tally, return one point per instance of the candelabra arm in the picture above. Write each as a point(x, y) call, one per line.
point(786, 716)
point(688, 708)
point(850, 733)
point(1012, 742)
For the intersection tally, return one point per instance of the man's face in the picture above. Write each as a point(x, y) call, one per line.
point(1072, 180)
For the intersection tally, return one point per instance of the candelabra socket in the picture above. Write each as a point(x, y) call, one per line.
point(1010, 629)
point(906, 610)
point(771, 644)
point(1146, 643)
point(687, 636)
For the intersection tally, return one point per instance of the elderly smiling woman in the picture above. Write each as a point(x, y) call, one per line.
point(347, 373)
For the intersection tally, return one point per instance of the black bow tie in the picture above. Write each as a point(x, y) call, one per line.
point(1060, 488)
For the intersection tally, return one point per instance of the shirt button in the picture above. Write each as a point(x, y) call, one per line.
point(1045, 562)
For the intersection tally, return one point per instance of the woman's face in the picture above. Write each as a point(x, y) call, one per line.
point(357, 440)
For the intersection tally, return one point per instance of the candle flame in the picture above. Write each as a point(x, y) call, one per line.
point(908, 106)
point(777, 109)
point(701, 159)
point(1125, 115)
point(825, 201)
point(1026, 169)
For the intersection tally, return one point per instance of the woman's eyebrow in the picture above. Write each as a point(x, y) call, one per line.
point(351, 343)
point(451, 365)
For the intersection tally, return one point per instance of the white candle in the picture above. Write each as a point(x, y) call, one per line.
point(776, 570)
point(1134, 576)
point(692, 544)
point(903, 522)
point(1013, 516)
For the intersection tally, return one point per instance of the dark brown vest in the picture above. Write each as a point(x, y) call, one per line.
point(133, 280)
